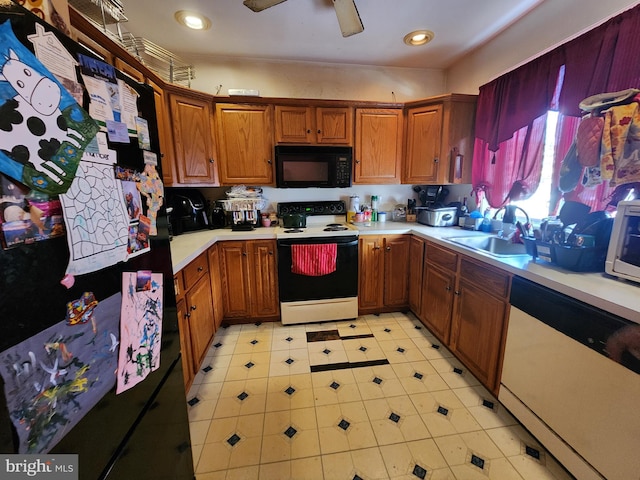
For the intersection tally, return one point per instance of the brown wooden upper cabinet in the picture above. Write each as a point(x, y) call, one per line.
point(309, 125)
point(167, 158)
point(192, 120)
point(245, 135)
point(378, 148)
point(439, 147)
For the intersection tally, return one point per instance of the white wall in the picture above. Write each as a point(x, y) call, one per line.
point(317, 80)
point(547, 26)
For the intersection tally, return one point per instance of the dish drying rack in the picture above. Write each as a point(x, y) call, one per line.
point(241, 204)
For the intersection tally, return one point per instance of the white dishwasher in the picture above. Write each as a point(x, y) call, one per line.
point(559, 382)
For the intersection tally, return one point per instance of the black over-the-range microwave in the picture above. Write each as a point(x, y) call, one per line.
point(301, 166)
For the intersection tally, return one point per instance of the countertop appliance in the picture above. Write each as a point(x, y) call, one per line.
point(333, 294)
point(623, 255)
point(189, 210)
point(567, 381)
point(437, 217)
point(144, 431)
point(301, 166)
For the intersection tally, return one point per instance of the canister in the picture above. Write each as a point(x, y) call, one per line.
point(354, 207)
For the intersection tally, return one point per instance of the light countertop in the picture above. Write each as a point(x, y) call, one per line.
point(619, 297)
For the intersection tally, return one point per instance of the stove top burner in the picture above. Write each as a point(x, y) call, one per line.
point(337, 228)
point(294, 230)
point(334, 225)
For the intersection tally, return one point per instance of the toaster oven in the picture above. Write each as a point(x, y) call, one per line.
point(623, 255)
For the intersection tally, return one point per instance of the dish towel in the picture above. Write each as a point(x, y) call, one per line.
point(314, 260)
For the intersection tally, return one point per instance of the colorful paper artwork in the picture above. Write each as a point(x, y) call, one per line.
point(43, 131)
point(54, 378)
point(140, 327)
point(27, 217)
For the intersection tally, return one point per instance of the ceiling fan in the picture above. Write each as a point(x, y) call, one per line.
point(346, 11)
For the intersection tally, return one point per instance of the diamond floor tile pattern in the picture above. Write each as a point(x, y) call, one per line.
point(377, 397)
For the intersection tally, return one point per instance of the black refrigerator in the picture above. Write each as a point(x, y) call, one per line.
point(142, 432)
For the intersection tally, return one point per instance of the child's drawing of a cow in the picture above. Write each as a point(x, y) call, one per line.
point(32, 127)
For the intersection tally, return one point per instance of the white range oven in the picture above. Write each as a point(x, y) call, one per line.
point(571, 377)
point(317, 264)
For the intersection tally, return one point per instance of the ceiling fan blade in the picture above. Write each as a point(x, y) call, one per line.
point(348, 17)
point(259, 5)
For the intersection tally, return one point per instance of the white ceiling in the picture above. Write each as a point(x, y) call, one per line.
point(308, 30)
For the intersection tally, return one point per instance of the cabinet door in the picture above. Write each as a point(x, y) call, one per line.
point(234, 271)
point(200, 316)
point(265, 301)
point(193, 139)
point(294, 125)
point(334, 125)
point(396, 270)
point(477, 332)
point(437, 301)
point(216, 285)
point(188, 368)
point(378, 149)
point(167, 159)
point(245, 133)
point(370, 272)
point(424, 137)
point(416, 266)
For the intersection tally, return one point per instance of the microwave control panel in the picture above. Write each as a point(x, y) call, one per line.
point(343, 172)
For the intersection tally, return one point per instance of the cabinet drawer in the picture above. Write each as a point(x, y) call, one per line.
point(492, 281)
point(195, 270)
point(442, 257)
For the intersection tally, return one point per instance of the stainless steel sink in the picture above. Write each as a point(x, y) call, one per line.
point(492, 245)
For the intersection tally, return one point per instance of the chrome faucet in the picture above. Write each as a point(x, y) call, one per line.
point(510, 214)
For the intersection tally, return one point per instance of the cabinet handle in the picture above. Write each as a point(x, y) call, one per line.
point(269, 161)
point(319, 131)
point(436, 160)
point(388, 249)
point(200, 269)
point(193, 307)
point(448, 288)
point(457, 292)
point(309, 131)
point(211, 160)
point(244, 254)
point(187, 315)
point(270, 253)
point(357, 161)
point(376, 248)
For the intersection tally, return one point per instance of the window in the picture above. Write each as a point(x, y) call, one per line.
point(538, 206)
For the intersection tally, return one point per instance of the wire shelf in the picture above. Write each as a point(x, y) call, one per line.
point(168, 66)
point(103, 12)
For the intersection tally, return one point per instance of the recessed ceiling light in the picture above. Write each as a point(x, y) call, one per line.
point(418, 37)
point(192, 20)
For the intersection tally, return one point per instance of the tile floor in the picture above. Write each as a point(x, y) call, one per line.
point(372, 398)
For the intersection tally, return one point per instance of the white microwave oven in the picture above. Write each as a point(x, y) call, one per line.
point(623, 255)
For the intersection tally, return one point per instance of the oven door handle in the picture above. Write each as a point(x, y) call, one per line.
point(288, 243)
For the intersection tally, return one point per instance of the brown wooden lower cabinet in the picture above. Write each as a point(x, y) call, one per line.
point(195, 315)
point(383, 273)
point(416, 262)
point(248, 272)
point(465, 303)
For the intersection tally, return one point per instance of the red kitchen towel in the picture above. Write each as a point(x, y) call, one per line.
point(314, 260)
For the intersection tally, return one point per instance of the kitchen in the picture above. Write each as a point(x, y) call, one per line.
point(621, 301)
